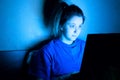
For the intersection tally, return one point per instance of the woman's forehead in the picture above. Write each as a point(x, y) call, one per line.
point(75, 20)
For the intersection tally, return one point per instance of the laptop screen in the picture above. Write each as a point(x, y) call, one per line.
point(101, 60)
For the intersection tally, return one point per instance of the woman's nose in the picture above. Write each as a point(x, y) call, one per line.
point(75, 30)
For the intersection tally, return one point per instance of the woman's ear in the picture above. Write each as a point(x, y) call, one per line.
point(61, 28)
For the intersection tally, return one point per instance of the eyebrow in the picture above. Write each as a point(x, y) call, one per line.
point(74, 24)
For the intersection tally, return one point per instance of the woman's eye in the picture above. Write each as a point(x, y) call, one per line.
point(72, 26)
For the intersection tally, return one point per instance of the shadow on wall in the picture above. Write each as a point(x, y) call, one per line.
point(49, 9)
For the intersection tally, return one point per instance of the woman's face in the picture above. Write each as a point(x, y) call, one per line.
point(71, 29)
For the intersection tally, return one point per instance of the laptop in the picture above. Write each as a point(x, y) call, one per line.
point(101, 60)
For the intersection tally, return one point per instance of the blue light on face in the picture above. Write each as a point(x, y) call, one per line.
point(100, 16)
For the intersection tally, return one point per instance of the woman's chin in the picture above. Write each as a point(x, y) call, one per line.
point(73, 39)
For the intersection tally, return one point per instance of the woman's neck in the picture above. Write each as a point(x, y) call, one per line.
point(64, 40)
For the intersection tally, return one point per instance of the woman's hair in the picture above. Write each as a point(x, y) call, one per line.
point(63, 13)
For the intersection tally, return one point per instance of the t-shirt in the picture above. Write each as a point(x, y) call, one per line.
point(57, 59)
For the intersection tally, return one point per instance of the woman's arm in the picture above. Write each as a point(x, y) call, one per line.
point(40, 65)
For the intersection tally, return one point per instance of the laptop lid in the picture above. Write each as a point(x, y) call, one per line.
point(101, 60)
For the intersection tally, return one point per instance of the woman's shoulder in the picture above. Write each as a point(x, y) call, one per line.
point(48, 45)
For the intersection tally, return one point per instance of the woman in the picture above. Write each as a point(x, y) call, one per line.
point(62, 56)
